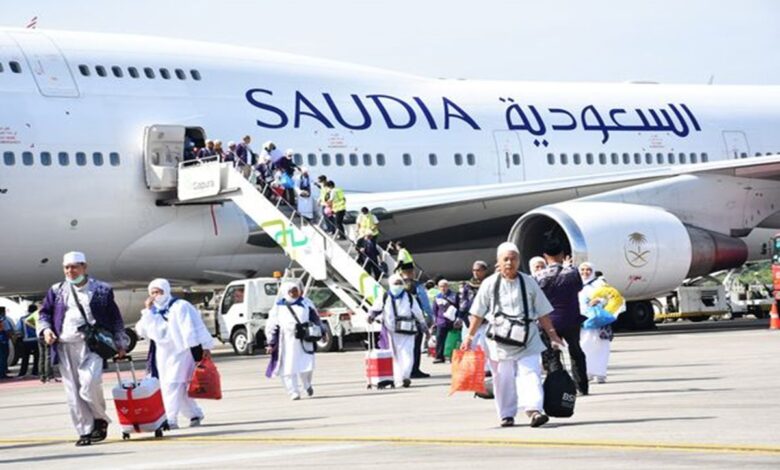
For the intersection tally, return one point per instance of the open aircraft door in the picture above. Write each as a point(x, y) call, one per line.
point(165, 146)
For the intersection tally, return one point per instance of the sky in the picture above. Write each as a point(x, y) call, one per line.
point(668, 41)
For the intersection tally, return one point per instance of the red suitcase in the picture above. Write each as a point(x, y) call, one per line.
point(379, 366)
point(139, 405)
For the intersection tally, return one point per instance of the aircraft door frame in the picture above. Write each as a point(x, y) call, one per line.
point(49, 68)
point(736, 145)
point(510, 158)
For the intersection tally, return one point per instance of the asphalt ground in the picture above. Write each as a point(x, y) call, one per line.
point(684, 396)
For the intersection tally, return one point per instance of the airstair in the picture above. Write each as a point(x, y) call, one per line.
point(320, 255)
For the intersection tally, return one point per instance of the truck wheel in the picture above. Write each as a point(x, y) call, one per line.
point(328, 343)
point(240, 341)
point(133, 337)
point(641, 315)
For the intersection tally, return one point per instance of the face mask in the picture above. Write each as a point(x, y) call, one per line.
point(290, 299)
point(76, 281)
point(161, 301)
point(396, 290)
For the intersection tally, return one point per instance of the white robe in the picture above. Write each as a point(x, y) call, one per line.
point(596, 349)
point(402, 345)
point(173, 339)
point(292, 357)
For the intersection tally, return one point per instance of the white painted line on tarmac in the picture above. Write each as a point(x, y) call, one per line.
point(250, 456)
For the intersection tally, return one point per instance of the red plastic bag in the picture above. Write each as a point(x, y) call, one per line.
point(205, 381)
point(468, 371)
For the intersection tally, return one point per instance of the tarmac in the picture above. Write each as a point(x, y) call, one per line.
point(685, 396)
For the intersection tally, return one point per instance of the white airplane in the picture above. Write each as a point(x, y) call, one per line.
point(651, 183)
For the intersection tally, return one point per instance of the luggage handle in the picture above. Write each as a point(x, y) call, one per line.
point(129, 359)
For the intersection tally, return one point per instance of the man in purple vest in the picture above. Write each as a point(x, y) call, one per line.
point(67, 308)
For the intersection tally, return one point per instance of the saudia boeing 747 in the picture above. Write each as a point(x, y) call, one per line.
point(651, 183)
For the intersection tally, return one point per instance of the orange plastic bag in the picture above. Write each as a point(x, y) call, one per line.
point(205, 381)
point(468, 371)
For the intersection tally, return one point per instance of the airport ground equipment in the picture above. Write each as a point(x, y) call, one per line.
point(321, 257)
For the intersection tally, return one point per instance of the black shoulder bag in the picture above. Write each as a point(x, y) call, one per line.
point(307, 332)
point(99, 340)
point(508, 329)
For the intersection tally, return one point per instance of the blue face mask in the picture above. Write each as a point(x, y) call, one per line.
point(76, 281)
point(396, 290)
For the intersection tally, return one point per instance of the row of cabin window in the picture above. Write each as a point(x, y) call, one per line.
point(133, 72)
point(615, 159)
point(63, 158)
point(354, 160)
point(14, 66)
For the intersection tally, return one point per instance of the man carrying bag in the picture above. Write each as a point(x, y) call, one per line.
point(81, 323)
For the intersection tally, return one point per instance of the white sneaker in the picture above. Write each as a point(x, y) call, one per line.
point(195, 422)
point(173, 426)
point(295, 396)
point(601, 379)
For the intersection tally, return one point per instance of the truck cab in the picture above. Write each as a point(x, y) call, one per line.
point(242, 312)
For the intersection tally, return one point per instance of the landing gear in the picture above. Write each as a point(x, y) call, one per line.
point(639, 315)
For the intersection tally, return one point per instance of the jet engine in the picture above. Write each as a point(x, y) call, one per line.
point(643, 251)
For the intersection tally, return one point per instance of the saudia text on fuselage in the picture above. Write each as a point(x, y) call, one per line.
point(444, 113)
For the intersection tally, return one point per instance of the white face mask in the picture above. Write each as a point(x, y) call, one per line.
point(290, 299)
point(396, 290)
point(161, 301)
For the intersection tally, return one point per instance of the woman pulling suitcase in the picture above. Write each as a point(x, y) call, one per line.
point(179, 340)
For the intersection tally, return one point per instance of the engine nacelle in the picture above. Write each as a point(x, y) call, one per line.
point(643, 251)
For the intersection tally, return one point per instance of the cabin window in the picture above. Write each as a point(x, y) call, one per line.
point(27, 158)
point(471, 159)
point(407, 158)
point(458, 159)
point(117, 71)
point(312, 159)
point(9, 158)
point(550, 159)
point(15, 67)
point(113, 158)
point(133, 72)
point(380, 159)
point(97, 159)
point(433, 159)
point(63, 158)
point(45, 158)
point(340, 159)
point(83, 69)
point(367, 159)
point(81, 158)
point(353, 159)
point(180, 74)
point(100, 71)
point(149, 72)
point(195, 75)
point(325, 159)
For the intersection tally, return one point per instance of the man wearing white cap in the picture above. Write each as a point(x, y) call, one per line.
point(178, 339)
point(288, 330)
point(512, 303)
point(402, 319)
point(67, 308)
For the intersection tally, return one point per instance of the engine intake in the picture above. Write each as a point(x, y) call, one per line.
point(643, 251)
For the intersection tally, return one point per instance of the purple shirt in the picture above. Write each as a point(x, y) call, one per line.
point(562, 286)
point(440, 305)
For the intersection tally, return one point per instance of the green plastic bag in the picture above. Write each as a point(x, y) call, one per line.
point(451, 343)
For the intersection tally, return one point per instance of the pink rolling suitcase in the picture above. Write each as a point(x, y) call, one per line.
point(379, 366)
point(139, 405)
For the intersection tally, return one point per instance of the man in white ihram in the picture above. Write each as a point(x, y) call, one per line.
point(513, 366)
point(180, 338)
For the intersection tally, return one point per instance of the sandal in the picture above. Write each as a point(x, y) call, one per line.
point(84, 441)
point(507, 422)
point(538, 419)
point(99, 430)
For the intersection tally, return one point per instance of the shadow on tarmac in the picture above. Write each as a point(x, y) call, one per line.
point(562, 424)
point(40, 458)
point(676, 390)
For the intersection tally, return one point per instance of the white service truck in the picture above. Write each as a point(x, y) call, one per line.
point(240, 313)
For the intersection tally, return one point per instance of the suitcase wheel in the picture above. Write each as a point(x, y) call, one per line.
point(125, 436)
point(158, 434)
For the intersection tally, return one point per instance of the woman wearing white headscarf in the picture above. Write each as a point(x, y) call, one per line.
point(292, 356)
point(402, 317)
point(179, 339)
point(595, 342)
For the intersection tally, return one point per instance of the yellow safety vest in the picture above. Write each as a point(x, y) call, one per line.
point(367, 223)
point(324, 195)
point(404, 256)
point(337, 200)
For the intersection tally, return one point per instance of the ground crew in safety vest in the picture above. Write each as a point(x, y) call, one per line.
point(325, 211)
point(367, 223)
point(338, 204)
point(404, 261)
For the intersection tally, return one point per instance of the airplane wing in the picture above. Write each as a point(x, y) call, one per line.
point(486, 211)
